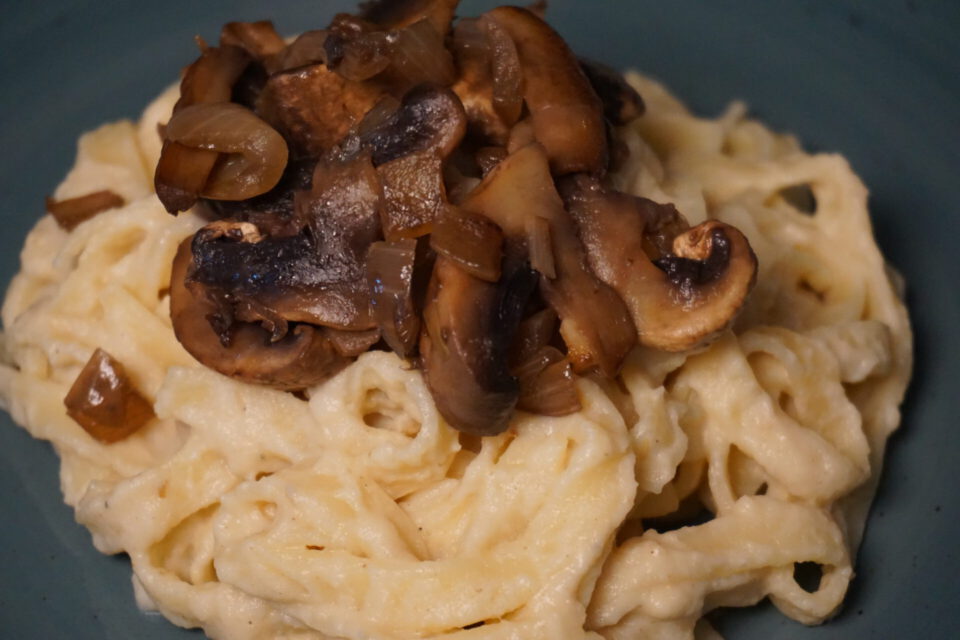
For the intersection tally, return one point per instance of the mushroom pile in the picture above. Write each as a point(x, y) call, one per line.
point(401, 180)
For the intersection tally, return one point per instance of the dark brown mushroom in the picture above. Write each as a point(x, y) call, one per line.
point(316, 275)
point(70, 212)
point(566, 113)
point(595, 323)
point(468, 326)
point(489, 81)
point(245, 351)
point(104, 401)
point(621, 102)
point(684, 297)
point(314, 108)
point(409, 147)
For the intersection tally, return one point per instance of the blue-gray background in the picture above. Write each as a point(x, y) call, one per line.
point(878, 81)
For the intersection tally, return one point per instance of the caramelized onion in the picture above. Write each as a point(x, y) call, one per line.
point(534, 333)
point(72, 211)
point(259, 39)
point(472, 241)
point(212, 76)
point(547, 384)
point(417, 56)
point(104, 401)
point(390, 276)
point(307, 49)
point(253, 155)
point(357, 54)
point(181, 174)
point(540, 246)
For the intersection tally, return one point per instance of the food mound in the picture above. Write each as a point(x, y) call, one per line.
point(454, 334)
point(396, 182)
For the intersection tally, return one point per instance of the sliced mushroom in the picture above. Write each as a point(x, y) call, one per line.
point(566, 113)
point(468, 326)
point(429, 118)
point(489, 82)
point(104, 401)
point(621, 102)
point(316, 275)
point(683, 298)
point(302, 358)
point(314, 108)
point(409, 148)
point(595, 323)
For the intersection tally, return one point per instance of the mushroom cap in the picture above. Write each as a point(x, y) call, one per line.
point(594, 322)
point(468, 326)
point(566, 112)
point(677, 301)
point(300, 359)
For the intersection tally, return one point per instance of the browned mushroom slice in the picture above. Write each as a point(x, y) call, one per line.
point(316, 275)
point(621, 102)
point(104, 401)
point(566, 113)
point(682, 299)
point(253, 155)
point(595, 323)
point(409, 147)
point(302, 358)
point(396, 14)
point(468, 326)
point(351, 344)
point(429, 118)
point(390, 277)
point(489, 82)
point(70, 212)
point(314, 107)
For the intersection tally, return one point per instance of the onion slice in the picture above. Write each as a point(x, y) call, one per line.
point(252, 154)
point(390, 276)
point(473, 242)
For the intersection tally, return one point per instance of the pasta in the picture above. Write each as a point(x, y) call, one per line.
point(357, 512)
